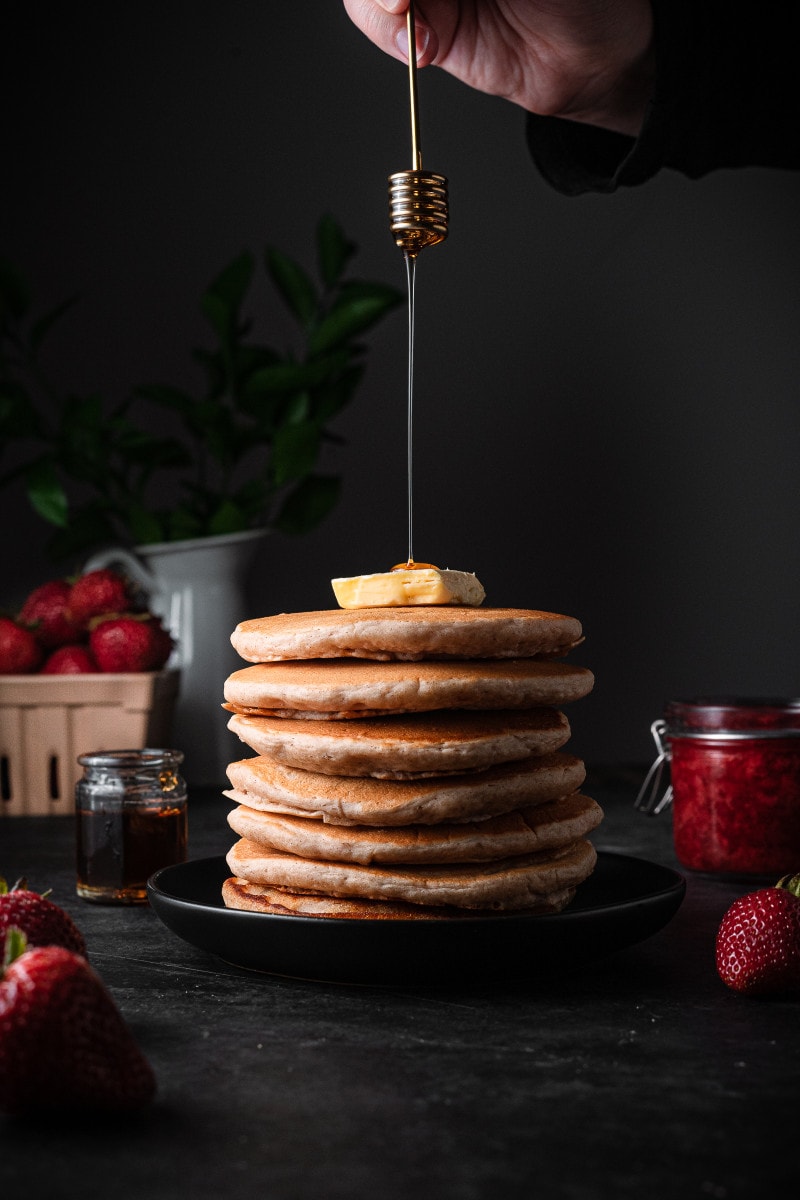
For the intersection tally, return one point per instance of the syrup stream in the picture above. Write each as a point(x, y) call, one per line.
point(411, 272)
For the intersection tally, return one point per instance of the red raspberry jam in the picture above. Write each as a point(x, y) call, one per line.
point(735, 767)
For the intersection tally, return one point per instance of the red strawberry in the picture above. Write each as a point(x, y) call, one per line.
point(69, 660)
point(131, 642)
point(97, 593)
point(46, 611)
point(20, 653)
point(758, 942)
point(63, 1041)
point(42, 921)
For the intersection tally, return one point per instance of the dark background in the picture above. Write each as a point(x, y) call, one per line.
point(607, 387)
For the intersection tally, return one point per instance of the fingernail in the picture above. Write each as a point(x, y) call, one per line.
point(422, 37)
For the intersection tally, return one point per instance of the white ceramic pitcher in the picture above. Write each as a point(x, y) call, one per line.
point(197, 587)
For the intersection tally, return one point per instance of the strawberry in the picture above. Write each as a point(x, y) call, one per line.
point(97, 593)
point(130, 642)
point(63, 1041)
point(20, 653)
point(758, 941)
point(46, 612)
point(42, 921)
point(69, 660)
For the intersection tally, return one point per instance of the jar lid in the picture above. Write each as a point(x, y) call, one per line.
point(758, 716)
point(131, 760)
point(717, 720)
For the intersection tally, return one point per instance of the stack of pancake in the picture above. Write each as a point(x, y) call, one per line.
point(408, 763)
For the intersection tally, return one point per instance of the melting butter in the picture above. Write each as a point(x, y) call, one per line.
point(407, 586)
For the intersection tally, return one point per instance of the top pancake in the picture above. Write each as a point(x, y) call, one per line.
point(409, 634)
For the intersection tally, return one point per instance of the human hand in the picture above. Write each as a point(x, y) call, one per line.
point(587, 60)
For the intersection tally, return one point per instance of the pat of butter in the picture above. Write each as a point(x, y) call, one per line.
point(393, 589)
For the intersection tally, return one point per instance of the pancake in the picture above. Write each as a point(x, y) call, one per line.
point(239, 894)
point(262, 784)
point(412, 633)
point(395, 747)
point(339, 689)
point(549, 826)
point(511, 883)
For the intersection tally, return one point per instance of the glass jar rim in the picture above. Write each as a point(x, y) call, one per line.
point(754, 716)
point(130, 760)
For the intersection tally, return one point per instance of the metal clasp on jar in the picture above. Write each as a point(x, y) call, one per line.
point(651, 798)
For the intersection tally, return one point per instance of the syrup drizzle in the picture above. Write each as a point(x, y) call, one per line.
point(411, 273)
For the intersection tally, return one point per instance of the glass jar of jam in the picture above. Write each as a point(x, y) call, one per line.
point(735, 783)
point(131, 820)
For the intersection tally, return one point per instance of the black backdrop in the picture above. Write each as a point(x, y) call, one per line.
point(607, 387)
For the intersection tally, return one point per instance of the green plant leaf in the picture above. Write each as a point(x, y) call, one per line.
point(294, 286)
point(308, 504)
point(145, 526)
point(82, 443)
point(219, 316)
point(228, 518)
point(294, 377)
point(330, 400)
point(297, 410)
point(221, 434)
point(349, 317)
point(333, 250)
point(145, 450)
point(232, 284)
point(256, 424)
point(248, 359)
point(252, 499)
point(225, 295)
point(184, 522)
point(294, 451)
point(45, 493)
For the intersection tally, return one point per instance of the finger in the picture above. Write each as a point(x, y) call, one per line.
point(387, 29)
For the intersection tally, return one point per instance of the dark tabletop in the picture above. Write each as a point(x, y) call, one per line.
point(635, 1075)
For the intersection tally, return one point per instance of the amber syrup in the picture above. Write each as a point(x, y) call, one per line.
point(119, 848)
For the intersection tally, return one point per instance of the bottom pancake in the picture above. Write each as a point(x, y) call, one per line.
point(511, 883)
point(252, 897)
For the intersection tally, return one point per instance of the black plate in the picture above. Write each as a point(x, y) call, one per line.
point(624, 901)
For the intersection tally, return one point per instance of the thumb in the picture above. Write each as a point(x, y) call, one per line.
point(384, 23)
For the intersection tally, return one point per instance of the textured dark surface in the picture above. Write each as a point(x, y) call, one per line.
point(638, 1075)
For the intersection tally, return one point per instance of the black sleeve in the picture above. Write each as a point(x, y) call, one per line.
point(726, 95)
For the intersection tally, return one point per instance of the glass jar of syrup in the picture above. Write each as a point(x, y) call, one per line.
point(735, 784)
point(130, 821)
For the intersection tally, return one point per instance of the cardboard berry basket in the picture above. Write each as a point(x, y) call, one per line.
point(46, 721)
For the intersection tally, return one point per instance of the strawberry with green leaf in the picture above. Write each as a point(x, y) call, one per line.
point(758, 941)
point(63, 1042)
point(42, 921)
